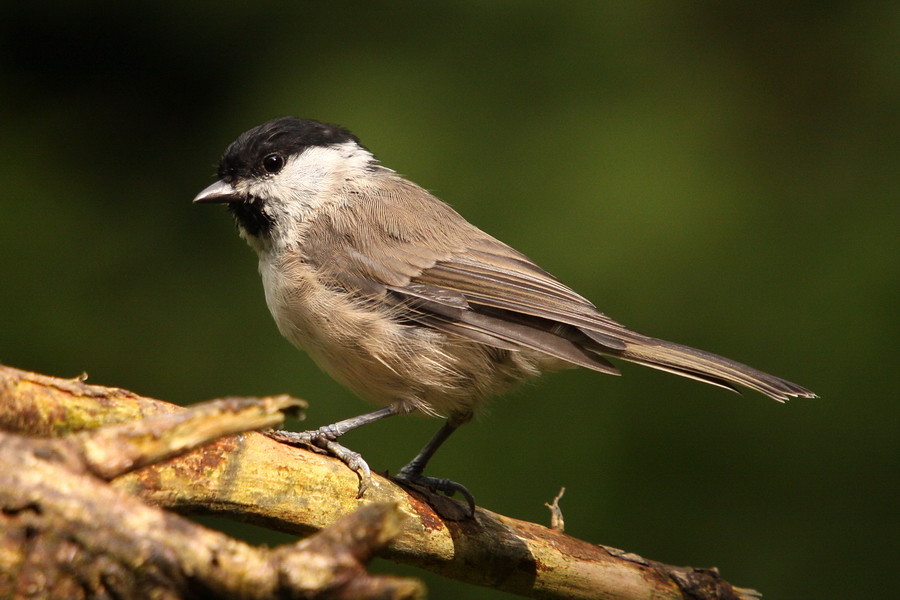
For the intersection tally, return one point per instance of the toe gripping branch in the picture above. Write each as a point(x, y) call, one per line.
point(325, 438)
point(435, 484)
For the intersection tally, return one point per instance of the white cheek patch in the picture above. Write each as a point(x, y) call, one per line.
point(305, 185)
point(313, 172)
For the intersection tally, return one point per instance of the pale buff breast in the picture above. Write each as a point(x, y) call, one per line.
point(363, 347)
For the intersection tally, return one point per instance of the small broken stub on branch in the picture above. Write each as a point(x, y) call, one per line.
point(557, 523)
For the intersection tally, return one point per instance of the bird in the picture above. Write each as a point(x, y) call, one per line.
point(408, 305)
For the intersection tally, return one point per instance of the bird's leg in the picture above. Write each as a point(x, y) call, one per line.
point(325, 437)
point(412, 475)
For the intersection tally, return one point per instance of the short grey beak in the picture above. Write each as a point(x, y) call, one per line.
point(220, 192)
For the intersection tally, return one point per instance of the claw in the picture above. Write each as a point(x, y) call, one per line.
point(410, 478)
point(354, 462)
point(324, 439)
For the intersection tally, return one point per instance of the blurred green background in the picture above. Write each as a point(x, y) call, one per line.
point(721, 174)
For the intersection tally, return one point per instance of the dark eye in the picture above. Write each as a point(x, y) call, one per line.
point(273, 163)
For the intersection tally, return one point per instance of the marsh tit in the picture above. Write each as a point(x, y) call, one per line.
point(407, 304)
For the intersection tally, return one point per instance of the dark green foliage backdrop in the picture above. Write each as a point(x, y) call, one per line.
point(720, 174)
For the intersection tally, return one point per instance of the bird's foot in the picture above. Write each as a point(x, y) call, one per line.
point(325, 438)
point(412, 478)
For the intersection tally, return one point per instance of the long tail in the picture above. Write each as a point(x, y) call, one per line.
point(708, 368)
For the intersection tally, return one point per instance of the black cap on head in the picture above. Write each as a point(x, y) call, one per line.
point(287, 136)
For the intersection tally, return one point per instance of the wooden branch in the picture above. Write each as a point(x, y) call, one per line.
point(253, 478)
point(66, 533)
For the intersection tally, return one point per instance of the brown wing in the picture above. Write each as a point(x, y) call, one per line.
point(439, 270)
point(445, 273)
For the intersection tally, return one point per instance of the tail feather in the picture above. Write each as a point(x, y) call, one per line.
point(708, 368)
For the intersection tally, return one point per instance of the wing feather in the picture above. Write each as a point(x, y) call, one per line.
point(402, 245)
